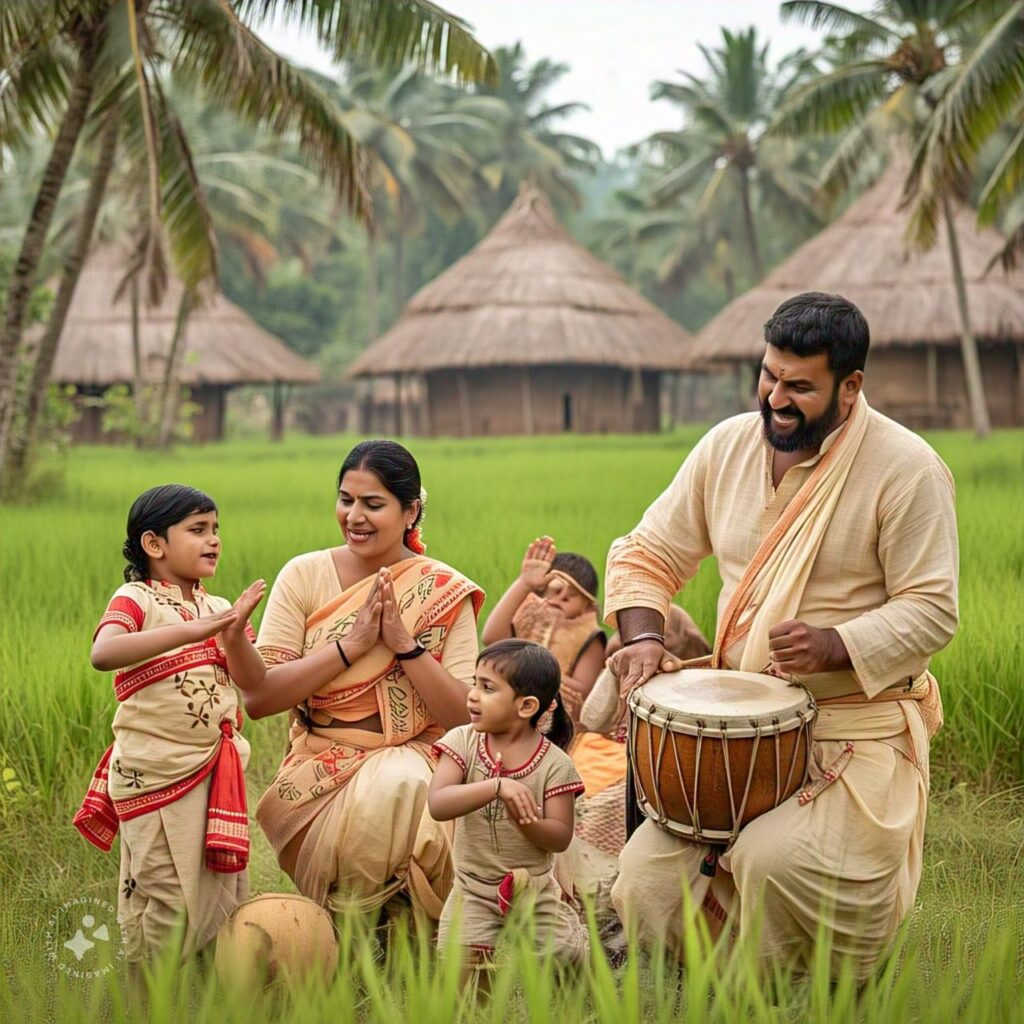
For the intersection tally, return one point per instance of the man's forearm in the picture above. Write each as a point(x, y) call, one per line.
point(635, 621)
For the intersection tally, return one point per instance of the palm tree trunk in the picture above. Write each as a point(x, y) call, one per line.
point(172, 373)
point(372, 287)
point(23, 277)
point(968, 344)
point(21, 444)
point(138, 381)
point(730, 283)
point(399, 282)
point(399, 273)
point(748, 225)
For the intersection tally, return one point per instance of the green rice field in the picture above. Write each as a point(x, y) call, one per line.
point(960, 957)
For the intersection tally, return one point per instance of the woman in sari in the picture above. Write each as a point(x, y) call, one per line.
point(371, 646)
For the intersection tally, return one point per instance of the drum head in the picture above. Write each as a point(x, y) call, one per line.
point(721, 695)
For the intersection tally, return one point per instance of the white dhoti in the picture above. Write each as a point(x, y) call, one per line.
point(842, 866)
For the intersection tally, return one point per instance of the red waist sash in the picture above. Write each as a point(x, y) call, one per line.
point(227, 817)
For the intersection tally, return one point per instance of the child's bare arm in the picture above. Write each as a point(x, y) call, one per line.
point(586, 670)
point(115, 648)
point(554, 828)
point(449, 797)
point(532, 576)
point(499, 623)
point(245, 666)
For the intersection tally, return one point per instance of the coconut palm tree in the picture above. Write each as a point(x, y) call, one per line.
point(890, 66)
point(984, 92)
point(418, 152)
point(525, 144)
point(719, 159)
point(65, 61)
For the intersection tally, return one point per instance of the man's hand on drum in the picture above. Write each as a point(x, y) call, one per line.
point(634, 664)
point(798, 648)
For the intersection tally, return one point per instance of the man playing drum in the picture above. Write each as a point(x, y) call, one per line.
point(835, 534)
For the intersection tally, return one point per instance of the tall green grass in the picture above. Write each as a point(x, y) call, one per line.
point(59, 561)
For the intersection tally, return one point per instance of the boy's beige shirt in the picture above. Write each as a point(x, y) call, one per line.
point(886, 574)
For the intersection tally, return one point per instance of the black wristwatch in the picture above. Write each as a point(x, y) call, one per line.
point(414, 653)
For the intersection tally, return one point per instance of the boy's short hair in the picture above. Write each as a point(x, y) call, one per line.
point(579, 568)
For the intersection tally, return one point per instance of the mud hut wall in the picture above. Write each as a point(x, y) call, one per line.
point(897, 384)
point(583, 399)
point(1001, 376)
point(647, 417)
point(207, 424)
point(88, 427)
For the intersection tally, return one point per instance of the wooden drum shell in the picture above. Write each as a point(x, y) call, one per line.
point(680, 770)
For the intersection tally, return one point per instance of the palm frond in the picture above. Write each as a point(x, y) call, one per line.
point(539, 78)
point(27, 27)
point(1012, 253)
point(682, 95)
point(248, 161)
point(1006, 182)
point(681, 179)
point(714, 184)
point(34, 92)
point(235, 67)
point(149, 257)
point(986, 88)
point(386, 32)
point(543, 117)
point(186, 214)
point(856, 147)
point(818, 14)
point(834, 101)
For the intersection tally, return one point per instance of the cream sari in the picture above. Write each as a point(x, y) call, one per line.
point(362, 793)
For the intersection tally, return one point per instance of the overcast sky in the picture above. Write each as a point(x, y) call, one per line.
point(614, 48)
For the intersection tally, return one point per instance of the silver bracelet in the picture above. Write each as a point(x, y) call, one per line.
point(640, 637)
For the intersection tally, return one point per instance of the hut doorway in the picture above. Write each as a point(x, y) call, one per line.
point(566, 412)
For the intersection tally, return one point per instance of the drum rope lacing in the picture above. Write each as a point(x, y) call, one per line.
point(660, 815)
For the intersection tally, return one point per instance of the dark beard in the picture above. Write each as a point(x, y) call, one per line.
point(809, 433)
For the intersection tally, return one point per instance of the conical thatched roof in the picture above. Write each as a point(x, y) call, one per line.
point(224, 345)
point(907, 299)
point(528, 294)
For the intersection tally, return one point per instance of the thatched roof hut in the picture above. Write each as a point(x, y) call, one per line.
point(914, 369)
point(530, 333)
point(224, 346)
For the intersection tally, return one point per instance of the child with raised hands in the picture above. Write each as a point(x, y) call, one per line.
point(172, 783)
point(553, 603)
point(512, 790)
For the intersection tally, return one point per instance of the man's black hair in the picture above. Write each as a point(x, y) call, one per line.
point(816, 322)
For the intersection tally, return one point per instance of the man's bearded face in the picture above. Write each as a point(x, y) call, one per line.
point(798, 433)
point(799, 399)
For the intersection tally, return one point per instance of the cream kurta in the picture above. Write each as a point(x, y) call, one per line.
point(886, 573)
point(885, 577)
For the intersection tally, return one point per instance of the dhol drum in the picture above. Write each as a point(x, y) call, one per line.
point(711, 749)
